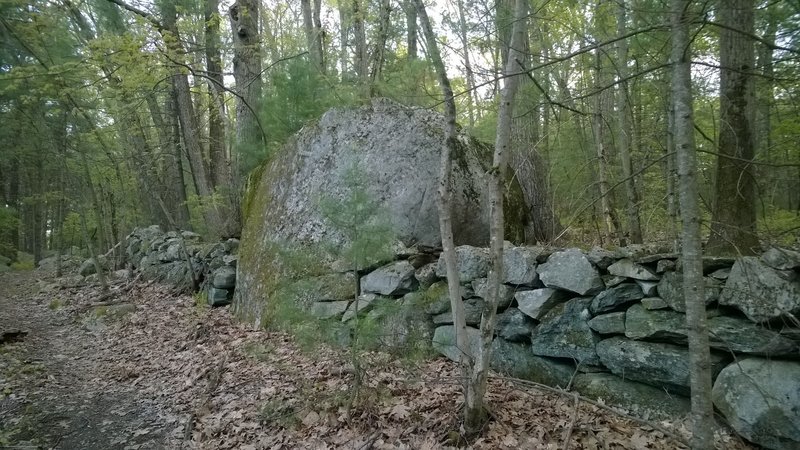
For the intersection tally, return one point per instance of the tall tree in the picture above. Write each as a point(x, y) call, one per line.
point(313, 31)
point(247, 74)
point(733, 219)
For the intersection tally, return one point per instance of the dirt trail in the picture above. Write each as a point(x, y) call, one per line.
point(53, 396)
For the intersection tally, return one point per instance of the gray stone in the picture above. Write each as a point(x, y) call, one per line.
point(88, 267)
point(444, 341)
point(513, 325)
point(218, 296)
point(473, 310)
point(403, 324)
point(761, 401)
point(781, 258)
point(670, 288)
point(721, 274)
point(365, 303)
point(612, 323)
point(571, 270)
point(654, 258)
point(649, 288)
point(742, 336)
point(654, 363)
point(231, 245)
point(330, 287)
point(643, 400)
point(665, 265)
point(652, 303)
point(328, 310)
point(564, 333)
point(600, 257)
point(519, 265)
point(481, 289)
point(230, 260)
point(437, 298)
point(616, 297)
point(613, 280)
point(224, 278)
point(190, 235)
point(629, 269)
point(516, 360)
point(396, 278)
point(472, 263)
point(426, 275)
point(538, 302)
point(662, 325)
point(761, 292)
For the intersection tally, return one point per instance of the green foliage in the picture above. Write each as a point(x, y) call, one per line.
point(9, 223)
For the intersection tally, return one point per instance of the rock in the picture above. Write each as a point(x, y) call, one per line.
point(629, 269)
point(365, 303)
point(721, 274)
point(612, 323)
point(645, 401)
point(481, 288)
point(516, 360)
point(654, 363)
point(652, 303)
point(224, 278)
point(426, 275)
point(438, 298)
point(472, 263)
point(330, 287)
point(761, 292)
point(190, 235)
point(231, 245)
point(444, 341)
point(742, 336)
point(781, 258)
point(564, 333)
point(649, 288)
point(328, 310)
point(473, 311)
point(88, 267)
point(670, 288)
point(600, 257)
point(613, 280)
point(761, 401)
point(403, 324)
point(662, 325)
point(616, 297)
point(519, 265)
point(649, 259)
point(219, 296)
point(665, 265)
point(396, 278)
point(570, 270)
point(230, 260)
point(515, 326)
point(538, 302)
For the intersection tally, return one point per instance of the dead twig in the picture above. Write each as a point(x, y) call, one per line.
point(568, 432)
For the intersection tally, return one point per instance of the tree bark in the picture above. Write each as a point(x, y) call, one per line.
point(691, 253)
point(379, 52)
point(247, 74)
point(313, 33)
point(220, 163)
point(360, 61)
point(470, 76)
point(733, 219)
point(411, 29)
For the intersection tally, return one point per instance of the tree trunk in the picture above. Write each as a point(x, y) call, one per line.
point(313, 35)
point(733, 220)
point(411, 29)
point(360, 60)
point(218, 156)
point(470, 76)
point(376, 74)
point(344, 33)
point(691, 253)
point(625, 130)
point(247, 75)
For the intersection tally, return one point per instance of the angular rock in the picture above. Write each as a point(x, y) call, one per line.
point(473, 311)
point(481, 289)
point(661, 325)
point(437, 298)
point(219, 296)
point(721, 274)
point(645, 401)
point(88, 267)
point(652, 303)
point(761, 400)
point(613, 280)
point(649, 288)
point(396, 278)
point(403, 323)
point(538, 302)
point(444, 341)
point(472, 263)
point(426, 275)
point(328, 310)
point(629, 269)
point(516, 360)
point(670, 288)
point(365, 303)
point(230, 260)
point(742, 336)
point(570, 270)
point(612, 323)
point(654, 363)
point(761, 292)
point(513, 325)
point(665, 265)
point(519, 265)
point(224, 278)
point(616, 297)
point(323, 288)
point(781, 258)
point(564, 333)
point(600, 257)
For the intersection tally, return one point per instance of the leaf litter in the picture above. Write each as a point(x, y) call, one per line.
point(209, 382)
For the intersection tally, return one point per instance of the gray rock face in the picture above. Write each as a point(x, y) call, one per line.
point(516, 360)
point(564, 333)
point(670, 288)
point(426, 275)
point(743, 336)
point(662, 325)
point(616, 297)
point(761, 292)
point(652, 303)
point(519, 265)
point(513, 325)
point(365, 303)
point(472, 263)
point(328, 310)
point(88, 267)
point(649, 288)
point(473, 310)
point(396, 278)
point(643, 399)
point(444, 341)
point(219, 297)
point(612, 323)
point(334, 286)
point(601, 257)
point(538, 302)
point(571, 270)
point(627, 268)
point(660, 365)
point(761, 400)
point(481, 289)
point(437, 296)
point(781, 258)
point(224, 278)
point(403, 323)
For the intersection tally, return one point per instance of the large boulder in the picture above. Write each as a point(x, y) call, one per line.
point(670, 288)
point(565, 333)
point(538, 302)
point(571, 270)
point(514, 325)
point(472, 263)
point(761, 400)
point(761, 292)
point(393, 279)
point(444, 341)
point(616, 297)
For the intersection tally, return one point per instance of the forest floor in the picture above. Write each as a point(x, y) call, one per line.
point(172, 375)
